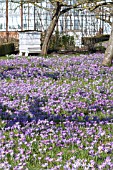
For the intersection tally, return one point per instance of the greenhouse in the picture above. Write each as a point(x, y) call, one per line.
point(17, 16)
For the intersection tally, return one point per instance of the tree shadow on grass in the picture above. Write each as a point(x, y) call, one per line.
point(36, 113)
point(11, 71)
point(54, 75)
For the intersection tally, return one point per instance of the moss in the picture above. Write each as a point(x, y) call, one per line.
point(90, 42)
point(100, 48)
point(95, 39)
point(60, 42)
point(7, 48)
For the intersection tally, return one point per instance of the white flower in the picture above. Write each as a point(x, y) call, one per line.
point(100, 149)
point(44, 165)
point(102, 133)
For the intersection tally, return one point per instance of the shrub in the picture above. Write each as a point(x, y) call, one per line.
point(61, 42)
point(91, 41)
point(7, 48)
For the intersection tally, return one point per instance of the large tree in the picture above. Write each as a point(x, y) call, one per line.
point(62, 6)
point(108, 57)
point(58, 10)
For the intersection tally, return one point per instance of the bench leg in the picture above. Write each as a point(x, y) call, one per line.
point(20, 53)
point(26, 54)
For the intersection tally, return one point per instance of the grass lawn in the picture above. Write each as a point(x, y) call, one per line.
point(56, 113)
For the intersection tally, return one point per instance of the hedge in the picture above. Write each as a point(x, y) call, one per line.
point(7, 48)
point(95, 39)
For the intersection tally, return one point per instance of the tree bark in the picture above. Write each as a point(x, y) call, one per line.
point(50, 30)
point(108, 57)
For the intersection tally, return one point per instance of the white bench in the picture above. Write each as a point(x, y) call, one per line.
point(29, 50)
point(29, 42)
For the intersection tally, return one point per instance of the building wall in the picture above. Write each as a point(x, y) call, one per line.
point(36, 18)
point(77, 21)
point(11, 34)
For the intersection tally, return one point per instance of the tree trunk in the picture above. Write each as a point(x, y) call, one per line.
point(50, 30)
point(108, 57)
